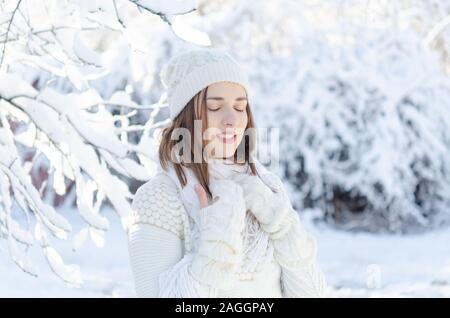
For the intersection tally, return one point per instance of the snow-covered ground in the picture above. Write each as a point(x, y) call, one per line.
point(368, 265)
point(356, 265)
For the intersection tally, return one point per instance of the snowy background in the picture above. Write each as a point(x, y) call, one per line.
point(354, 96)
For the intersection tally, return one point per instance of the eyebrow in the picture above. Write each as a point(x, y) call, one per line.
point(221, 98)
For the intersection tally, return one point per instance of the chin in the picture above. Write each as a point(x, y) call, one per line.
point(227, 154)
point(224, 155)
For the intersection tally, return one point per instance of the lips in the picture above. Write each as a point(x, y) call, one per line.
point(227, 138)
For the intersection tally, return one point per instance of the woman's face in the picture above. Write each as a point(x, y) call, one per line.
point(226, 105)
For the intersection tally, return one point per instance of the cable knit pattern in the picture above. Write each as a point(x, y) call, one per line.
point(164, 265)
point(159, 242)
point(296, 252)
point(156, 203)
point(295, 249)
point(221, 244)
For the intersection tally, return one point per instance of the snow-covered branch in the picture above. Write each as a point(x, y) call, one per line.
point(63, 98)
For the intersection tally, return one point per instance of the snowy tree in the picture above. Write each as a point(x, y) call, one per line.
point(358, 94)
point(67, 103)
point(355, 88)
point(369, 142)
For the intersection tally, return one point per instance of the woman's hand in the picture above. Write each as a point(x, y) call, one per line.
point(256, 195)
point(201, 194)
point(270, 208)
point(225, 215)
point(220, 248)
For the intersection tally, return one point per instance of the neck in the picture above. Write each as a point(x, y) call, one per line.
point(225, 168)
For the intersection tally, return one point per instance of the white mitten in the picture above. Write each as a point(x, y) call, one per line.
point(270, 208)
point(221, 244)
point(294, 247)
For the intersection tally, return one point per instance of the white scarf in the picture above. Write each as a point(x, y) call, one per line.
point(257, 245)
point(219, 169)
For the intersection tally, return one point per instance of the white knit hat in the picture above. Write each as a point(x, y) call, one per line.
point(189, 72)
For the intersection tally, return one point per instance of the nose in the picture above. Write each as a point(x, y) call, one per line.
point(229, 119)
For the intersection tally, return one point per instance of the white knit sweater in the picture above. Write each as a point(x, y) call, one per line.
point(159, 236)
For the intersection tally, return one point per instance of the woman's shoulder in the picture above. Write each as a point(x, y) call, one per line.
point(159, 183)
point(158, 202)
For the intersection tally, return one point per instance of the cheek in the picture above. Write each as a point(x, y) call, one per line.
point(213, 123)
point(241, 125)
point(243, 120)
point(213, 119)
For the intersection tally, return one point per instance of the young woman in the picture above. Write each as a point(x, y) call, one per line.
point(213, 221)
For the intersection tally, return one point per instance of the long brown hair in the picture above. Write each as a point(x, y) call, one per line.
point(195, 109)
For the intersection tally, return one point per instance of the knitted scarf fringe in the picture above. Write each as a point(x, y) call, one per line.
point(177, 282)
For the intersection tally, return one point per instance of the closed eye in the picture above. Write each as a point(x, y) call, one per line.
point(216, 109)
point(241, 107)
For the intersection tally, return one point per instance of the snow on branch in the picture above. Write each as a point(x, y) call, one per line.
point(63, 99)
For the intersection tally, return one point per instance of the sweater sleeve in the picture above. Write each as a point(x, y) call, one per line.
point(296, 253)
point(155, 239)
point(152, 250)
point(294, 248)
